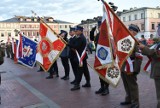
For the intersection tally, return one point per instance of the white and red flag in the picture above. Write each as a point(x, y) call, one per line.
point(19, 51)
point(115, 45)
point(49, 47)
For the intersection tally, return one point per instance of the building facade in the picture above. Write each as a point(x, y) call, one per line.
point(89, 24)
point(29, 26)
point(146, 18)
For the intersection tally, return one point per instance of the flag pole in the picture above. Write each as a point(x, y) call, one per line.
point(119, 20)
point(48, 26)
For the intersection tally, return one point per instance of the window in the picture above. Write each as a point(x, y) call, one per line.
point(37, 33)
point(2, 34)
point(65, 26)
point(158, 15)
point(142, 15)
point(142, 26)
point(135, 16)
point(9, 34)
point(124, 19)
point(60, 26)
point(129, 18)
point(153, 26)
point(16, 34)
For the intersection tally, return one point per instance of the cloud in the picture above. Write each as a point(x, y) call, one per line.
point(70, 10)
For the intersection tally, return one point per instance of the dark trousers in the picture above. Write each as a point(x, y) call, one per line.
point(74, 65)
point(83, 70)
point(65, 64)
point(103, 83)
point(157, 85)
point(131, 87)
point(54, 68)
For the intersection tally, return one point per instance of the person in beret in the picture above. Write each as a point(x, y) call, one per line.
point(130, 78)
point(64, 56)
point(72, 54)
point(80, 46)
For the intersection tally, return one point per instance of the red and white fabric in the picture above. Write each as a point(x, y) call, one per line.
point(122, 41)
point(80, 58)
point(19, 51)
point(49, 47)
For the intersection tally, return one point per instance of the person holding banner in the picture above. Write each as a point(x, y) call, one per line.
point(52, 70)
point(80, 48)
point(154, 54)
point(129, 72)
point(103, 90)
point(64, 56)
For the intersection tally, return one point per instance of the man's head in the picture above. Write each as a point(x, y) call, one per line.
point(134, 29)
point(72, 31)
point(63, 34)
point(79, 30)
point(99, 25)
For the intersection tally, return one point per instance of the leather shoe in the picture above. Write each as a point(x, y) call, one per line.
point(73, 82)
point(66, 78)
point(99, 91)
point(125, 103)
point(39, 70)
point(105, 92)
point(76, 87)
point(86, 85)
point(57, 75)
point(134, 106)
point(49, 77)
point(63, 77)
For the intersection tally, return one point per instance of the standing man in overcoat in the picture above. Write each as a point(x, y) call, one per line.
point(72, 53)
point(80, 48)
point(154, 54)
point(130, 78)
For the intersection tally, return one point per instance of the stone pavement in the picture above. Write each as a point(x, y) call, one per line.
point(22, 87)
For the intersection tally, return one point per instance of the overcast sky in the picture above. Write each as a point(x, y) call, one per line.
point(66, 10)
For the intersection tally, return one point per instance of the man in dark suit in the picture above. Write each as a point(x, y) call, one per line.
point(130, 78)
point(154, 54)
point(80, 48)
point(72, 53)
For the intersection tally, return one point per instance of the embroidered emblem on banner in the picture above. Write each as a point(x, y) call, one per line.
point(113, 72)
point(126, 45)
point(102, 53)
point(27, 51)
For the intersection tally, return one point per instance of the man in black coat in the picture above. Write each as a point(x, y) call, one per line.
point(80, 48)
point(72, 53)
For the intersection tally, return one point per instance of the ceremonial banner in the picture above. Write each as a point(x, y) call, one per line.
point(15, 51)
point(29, 52)
point(121, 39)
point(103, 51)
point(115, 45)
point(49, 47)
point(19, 52)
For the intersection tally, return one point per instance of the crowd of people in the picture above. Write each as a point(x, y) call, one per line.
point(76, 50)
